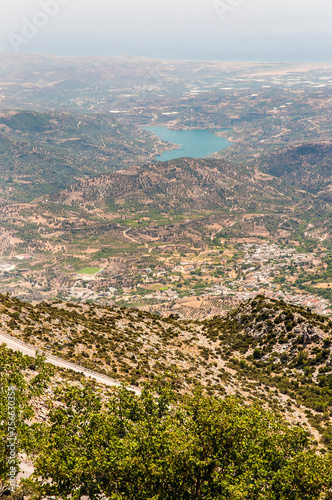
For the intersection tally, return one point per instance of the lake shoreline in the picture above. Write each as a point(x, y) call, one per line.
point(193, 143)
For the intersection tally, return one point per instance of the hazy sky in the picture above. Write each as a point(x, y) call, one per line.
point(194, 29)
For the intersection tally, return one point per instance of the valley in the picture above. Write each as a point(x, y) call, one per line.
point(154, 310)
point(80, 187)
point(164, 235)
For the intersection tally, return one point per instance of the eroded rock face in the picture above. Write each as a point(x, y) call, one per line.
point(283, 331)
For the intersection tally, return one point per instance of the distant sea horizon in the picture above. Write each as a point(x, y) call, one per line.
point(163, 57)
point(300, 48)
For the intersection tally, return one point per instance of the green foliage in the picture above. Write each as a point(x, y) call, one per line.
point(151, 447)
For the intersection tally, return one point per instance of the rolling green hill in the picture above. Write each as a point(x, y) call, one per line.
point(308, 166)
point(42, 153)
point(185, 184)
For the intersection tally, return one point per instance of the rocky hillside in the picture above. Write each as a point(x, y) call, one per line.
point(264, 350)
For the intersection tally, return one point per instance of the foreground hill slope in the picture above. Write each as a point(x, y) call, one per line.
point(143, 447)
point(265, 350)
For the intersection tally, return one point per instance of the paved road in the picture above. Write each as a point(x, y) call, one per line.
point(26, 467)
point(17, 345)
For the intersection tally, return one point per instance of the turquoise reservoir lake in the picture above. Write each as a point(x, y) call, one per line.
point(193, 143)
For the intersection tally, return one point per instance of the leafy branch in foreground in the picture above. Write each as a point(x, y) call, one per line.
point(146, 447)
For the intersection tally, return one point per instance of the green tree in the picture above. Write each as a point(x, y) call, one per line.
point(200, 447)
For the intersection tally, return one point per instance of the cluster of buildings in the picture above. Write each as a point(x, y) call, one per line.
point(266, 269)
point(266, 262)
